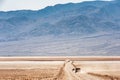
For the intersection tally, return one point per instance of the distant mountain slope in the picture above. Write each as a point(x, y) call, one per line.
point(87, 28)
point(62, 19)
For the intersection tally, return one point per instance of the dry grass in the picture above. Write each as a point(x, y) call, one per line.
point(55, 70)
point(30, 74)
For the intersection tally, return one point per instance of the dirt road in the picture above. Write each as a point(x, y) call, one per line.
point(71, 73)
point(79, 69)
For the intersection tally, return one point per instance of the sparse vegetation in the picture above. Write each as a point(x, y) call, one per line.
point(89, 70)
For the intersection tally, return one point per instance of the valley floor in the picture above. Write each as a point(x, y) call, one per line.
point(59, 70)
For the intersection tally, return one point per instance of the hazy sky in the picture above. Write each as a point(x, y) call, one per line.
point(7, 5)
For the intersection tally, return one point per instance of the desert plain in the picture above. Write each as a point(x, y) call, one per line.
point(60, 68)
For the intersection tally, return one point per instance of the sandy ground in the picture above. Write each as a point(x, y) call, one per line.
point(59, 70)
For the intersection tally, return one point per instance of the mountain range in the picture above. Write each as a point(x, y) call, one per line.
point(72, 19)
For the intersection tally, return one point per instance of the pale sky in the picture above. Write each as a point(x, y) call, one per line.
point(7, 5)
